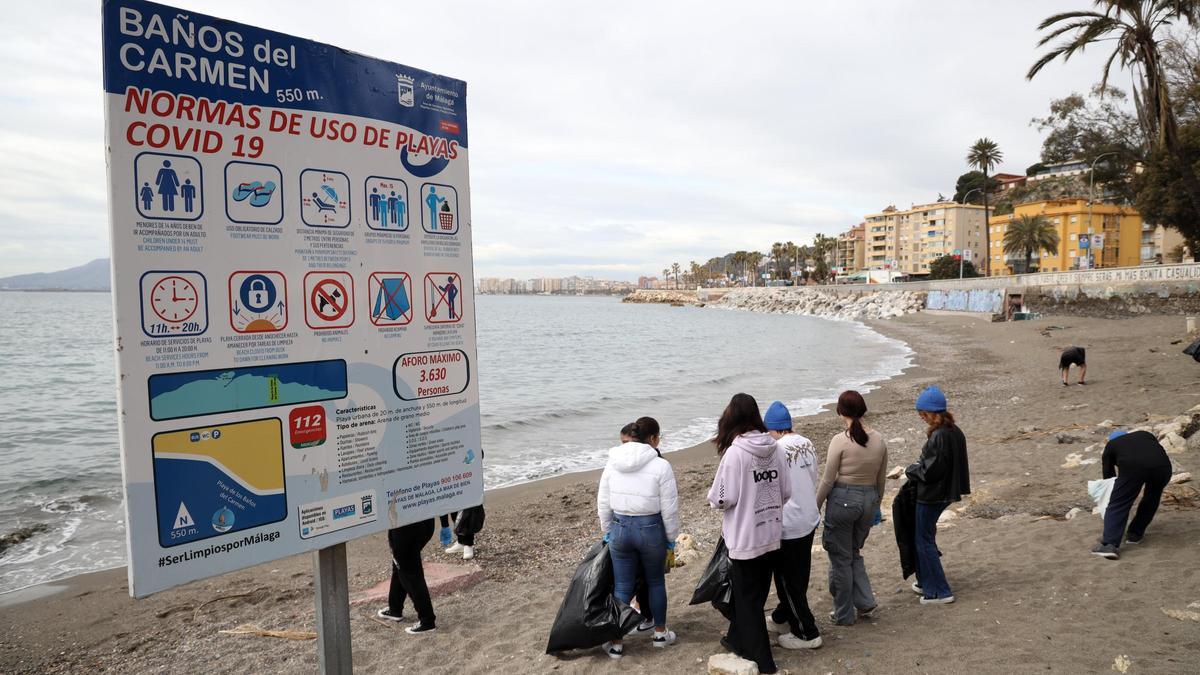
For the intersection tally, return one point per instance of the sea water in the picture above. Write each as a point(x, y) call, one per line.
point(559, 376)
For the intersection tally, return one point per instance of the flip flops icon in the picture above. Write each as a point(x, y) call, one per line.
point(259, 193)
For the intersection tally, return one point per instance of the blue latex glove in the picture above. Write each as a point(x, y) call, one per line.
point(446, 536)
point(606, 537)
point(878, 516)
point(670, 546)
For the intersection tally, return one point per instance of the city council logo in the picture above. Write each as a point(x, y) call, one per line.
point(404, 91)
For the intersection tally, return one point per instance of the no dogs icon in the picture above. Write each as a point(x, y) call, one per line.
point(329, 300)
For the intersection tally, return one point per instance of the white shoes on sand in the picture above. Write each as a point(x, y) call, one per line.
point(789, 641)
point(468, 552)
point(773, 627)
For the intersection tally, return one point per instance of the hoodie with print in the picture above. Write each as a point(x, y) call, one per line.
point(800, 513)
point(751, 486)
point(637, 482)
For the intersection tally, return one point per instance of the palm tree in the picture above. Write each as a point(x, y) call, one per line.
point(790, 250)
point(753, 259)
point(695, 270)
point(666, 274)
point(675, 269)
point(1138, 30)
point(984, 156)
point(1028, 234)
point(777, 257)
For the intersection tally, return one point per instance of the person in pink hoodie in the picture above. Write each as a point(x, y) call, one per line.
point(751, 487)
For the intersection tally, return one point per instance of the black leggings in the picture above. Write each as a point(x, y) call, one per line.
point(408, 574)
point(793, 562)
point(751, 584)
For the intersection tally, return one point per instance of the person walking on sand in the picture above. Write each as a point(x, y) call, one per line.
point(851, 489)
point(638, 505)
point(650, 434)
point(792, 619)
point(1073, 356)
point(1142, 462)
point(408, 576)
point(942, 476)
point(750, 488)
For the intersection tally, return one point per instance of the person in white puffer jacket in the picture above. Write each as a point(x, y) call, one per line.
point(638, 506)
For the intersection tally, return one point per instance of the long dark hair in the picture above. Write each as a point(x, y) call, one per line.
point(851, 404)
point(740, 416)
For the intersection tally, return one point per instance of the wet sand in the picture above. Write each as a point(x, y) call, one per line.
point(1030, 597)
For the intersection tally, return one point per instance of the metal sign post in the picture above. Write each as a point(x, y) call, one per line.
point(331, 589)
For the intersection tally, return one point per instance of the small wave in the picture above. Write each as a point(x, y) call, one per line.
point(21, 535)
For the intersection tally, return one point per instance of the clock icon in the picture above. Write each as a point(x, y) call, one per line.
point(174, 299)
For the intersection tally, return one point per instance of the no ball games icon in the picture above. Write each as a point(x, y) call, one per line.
point(329, 300)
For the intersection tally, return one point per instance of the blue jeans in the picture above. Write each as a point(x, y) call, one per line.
point(638, 544)
point(930, 575)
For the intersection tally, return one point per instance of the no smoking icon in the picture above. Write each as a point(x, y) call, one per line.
point(329, 300)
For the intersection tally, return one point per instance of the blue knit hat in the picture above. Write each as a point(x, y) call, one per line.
point(1117, 433)
point(931, 400)
point(778, 418)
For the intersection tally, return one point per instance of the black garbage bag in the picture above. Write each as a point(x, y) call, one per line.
point(904, 524)
point(590, 614)
point(714, 585)
point(470, 522)
point(1193, 350)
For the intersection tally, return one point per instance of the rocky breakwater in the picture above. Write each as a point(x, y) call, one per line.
point(827, 302)
point(663, 297)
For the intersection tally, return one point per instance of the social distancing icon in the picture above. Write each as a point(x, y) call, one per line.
point(390, 297)
point(258, 301)
point(329, 300)
point(443, 297)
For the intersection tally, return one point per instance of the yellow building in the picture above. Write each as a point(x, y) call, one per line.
point(1126, 241)
point(851, 250)
point(907, 241)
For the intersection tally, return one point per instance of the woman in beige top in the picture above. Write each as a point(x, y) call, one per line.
point(851, 489)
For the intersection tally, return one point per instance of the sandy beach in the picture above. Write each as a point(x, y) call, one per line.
point(1030, 597)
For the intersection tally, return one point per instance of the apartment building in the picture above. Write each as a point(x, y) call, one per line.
point(851, 250)
point(1124, 239)
point(907, 241)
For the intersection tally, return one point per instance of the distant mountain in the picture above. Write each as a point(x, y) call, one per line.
point(93, 276)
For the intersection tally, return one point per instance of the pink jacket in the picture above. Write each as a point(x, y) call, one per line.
point(751, 486)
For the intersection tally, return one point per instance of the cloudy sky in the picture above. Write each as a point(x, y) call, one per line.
point(607, 139)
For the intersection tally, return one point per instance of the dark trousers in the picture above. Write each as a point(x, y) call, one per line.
point(931, 577)
point(747, 635)
point(1125, 491)
point(408, 576)
point(792, 565)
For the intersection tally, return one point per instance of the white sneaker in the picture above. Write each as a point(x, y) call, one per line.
point(663, 639)
point(613, 651)
point(468, 552)
point(789, 641)
point(917, 589)
point(938, 601)
point(773, 627)
point(456, 548)
point(642, 628)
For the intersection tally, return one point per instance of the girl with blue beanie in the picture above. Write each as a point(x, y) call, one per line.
point(942, 476)
point(792, 619)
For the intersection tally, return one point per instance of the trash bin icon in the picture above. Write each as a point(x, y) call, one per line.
point(446, 218)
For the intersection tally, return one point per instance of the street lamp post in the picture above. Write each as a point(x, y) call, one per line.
point(1091, 200)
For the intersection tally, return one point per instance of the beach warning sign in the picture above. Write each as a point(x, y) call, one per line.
point(292, 287)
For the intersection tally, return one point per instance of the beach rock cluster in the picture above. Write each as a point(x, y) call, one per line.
point(828, 302)
point(663, 297)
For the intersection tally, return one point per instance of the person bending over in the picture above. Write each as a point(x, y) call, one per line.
point(1073, 356)
point(1138, 461)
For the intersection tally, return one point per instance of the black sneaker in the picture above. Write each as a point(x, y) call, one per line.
point(1133, 538)
point(386, 614)
point(1106, 551)
point(418, 628)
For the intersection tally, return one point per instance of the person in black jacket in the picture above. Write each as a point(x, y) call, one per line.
point(1142, 462)
point(942, 476)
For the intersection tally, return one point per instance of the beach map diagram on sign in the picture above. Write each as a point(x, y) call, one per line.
point(329, 300)
point(258, 301)
point(443, 297)
point(213, 480)
point(386, 203)
point(324, 198)
point(389, 294)
point(253, 193)
point(439, 208)
point(174, 303)
point(168, 187)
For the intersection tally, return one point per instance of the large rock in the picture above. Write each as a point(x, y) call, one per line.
point(730, 664)
point(1173, 443)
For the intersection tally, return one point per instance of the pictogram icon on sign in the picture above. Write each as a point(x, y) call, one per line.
point(390, 297)
point(443, 301)
point(330, 300)
point(257, 301)
point(174, 303)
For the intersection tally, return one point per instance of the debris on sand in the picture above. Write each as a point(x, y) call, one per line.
point(730, 664)
point(251, 629)
point(1180, 478)
point(1121, 664)
point(1182, 614)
